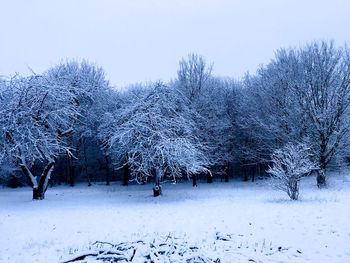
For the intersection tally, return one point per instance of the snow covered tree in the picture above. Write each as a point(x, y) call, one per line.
point(193, 74)
point(35, 117)
point(156, 134)
point(301, 95)
point(270, 115)
point(215, 106)
point(208, 98)
point(118, 101)
point(88, 83)
point(289, 164)
point(249, 143)
point(93, 97)
point(323, 86)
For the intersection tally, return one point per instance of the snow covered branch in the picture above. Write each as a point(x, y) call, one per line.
point(289, 165)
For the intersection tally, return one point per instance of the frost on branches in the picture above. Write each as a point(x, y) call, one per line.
point(92, 97)
point(289, 165)
point(155, 132)
point(323, 87)
point(35, 116)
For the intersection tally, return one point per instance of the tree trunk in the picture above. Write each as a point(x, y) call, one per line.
point(39, 192)
point(321, 178)
point(226, 175)
point(85, 161)
point(108, 173)
point(253, 175)
point(32, 180)
point(194, 180)
point(293, 190)
point(157, 189)
point(28, 174)
point(321, 175)
point(39, 186)
point(245, 173)
point(38, 195)
point(209, 178)
point(71, 172)
point(126, 175)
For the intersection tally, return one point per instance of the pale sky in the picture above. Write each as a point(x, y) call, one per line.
point(143, 40)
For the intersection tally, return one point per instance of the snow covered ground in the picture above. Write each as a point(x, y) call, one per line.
point(261, 224)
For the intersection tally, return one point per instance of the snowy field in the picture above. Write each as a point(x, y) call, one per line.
point(236, 221)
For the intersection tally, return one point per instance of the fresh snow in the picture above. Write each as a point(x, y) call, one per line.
point(235, 221)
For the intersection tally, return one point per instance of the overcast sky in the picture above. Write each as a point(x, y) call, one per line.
point(143, 40)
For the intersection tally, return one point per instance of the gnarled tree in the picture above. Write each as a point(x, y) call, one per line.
point(35, 116)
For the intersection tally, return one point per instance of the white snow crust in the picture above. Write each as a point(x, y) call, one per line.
point(254, 222)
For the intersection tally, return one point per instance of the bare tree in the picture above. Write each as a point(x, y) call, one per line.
point(289, 164)
point(208, 97)
point(323, 86)
point(270, 115)
point(193, 74)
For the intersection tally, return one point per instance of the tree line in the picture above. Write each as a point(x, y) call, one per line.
point(193, 125)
